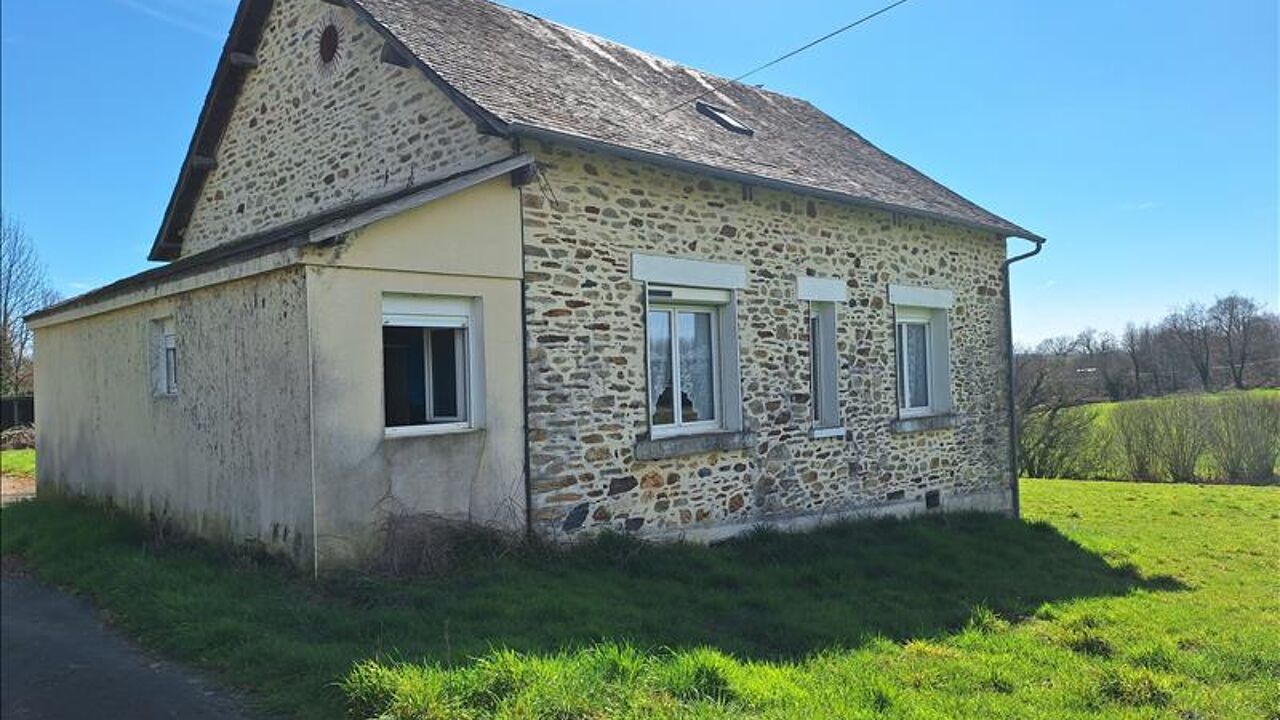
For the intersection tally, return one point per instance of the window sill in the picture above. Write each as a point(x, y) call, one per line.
point(673, 446)
point(831, 432)
point(923, 423)
point(395, 433)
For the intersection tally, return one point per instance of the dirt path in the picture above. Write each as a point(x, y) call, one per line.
point(57, 660)
point(15, 487)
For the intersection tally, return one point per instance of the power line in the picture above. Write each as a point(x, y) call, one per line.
point(789, 55)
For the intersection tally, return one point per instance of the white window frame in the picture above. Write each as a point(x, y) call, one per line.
point(170, 363)
point(906, 318)
point(428, 312)
point(931, 307)
point(164, 357)
point(824, 370)
point(679, 426)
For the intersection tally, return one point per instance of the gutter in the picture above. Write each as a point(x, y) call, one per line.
point(1012, 379)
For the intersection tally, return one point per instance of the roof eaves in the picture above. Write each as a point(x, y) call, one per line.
point(224, 88)
point(549, 135)
point(220, 100)
point(314, 230)
point(487, 121)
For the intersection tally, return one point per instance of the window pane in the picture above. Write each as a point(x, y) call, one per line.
point(445, 346)
point(815, 368)
point(697, 368)
point(170, 369)
point(404, 376)
point(902, 367)
point(917, 362)
point(660, 393)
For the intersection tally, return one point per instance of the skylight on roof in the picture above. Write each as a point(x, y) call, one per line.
point(723, 118)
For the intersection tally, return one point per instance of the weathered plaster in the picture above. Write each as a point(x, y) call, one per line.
point(228, 456)
point(306, 137)
point(586, 373)
point(467, 245)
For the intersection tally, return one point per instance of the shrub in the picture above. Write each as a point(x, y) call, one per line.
point(1182, 438)
point(1059, 442)
point(1137, 434)
point(1243, 435)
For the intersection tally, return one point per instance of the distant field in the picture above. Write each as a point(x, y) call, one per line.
point(1104, 409)
point(1112, 601)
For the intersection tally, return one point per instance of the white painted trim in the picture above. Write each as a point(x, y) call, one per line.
point(831, 432)
point(821, 289)
point(686, 272)
point(407, 431)
point(921, 297)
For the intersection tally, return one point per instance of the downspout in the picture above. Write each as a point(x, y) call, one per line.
point(524, 364)
point(1013, 413)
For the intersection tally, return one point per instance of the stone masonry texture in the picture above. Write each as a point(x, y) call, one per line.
point(586, 371)
point(308, 136)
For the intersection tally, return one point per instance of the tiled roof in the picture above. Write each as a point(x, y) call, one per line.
point(530, 73)
point(521, 75)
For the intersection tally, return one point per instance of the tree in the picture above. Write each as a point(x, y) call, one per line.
point(24, 289)
point(1136, 343)
point(1194, 331)
point(1102, 359)
point(1236, 318)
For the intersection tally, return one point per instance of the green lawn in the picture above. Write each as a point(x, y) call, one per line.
point(18, 462)
point(1104, 409)
point(1114, 600)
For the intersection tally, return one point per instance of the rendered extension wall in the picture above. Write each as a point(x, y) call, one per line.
point(308, 136)
point(587, 376)
point(466, 245)
point(228, 457)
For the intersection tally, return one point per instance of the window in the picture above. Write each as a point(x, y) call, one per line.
point(824, 296)
point(923, 350)
point(691, 344)
point(426, 363)
point(684, 367)
point(723, 118)
point(164, 357)
point(914, 364)
point(823, 366)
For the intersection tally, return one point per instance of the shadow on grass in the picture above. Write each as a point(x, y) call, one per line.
point(769, 596)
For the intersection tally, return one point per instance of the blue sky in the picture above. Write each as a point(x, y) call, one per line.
point(1139, 137)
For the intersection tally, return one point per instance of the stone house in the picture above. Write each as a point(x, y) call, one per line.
point(443, 257)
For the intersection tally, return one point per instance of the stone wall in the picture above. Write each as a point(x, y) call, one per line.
point(308, 136)
point(587, 378)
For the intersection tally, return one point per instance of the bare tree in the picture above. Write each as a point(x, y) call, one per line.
point(1102, 358)
point(1136, 343)
point(1194, 331)
point(1236, 318)
point(24, 289)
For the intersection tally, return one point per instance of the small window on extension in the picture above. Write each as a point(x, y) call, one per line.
point(723, 118)
point(425, 366)
point(164, 357)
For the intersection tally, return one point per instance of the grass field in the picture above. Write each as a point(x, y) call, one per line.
point(1104, 409)
point(18, 462)
point(1114, 600)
